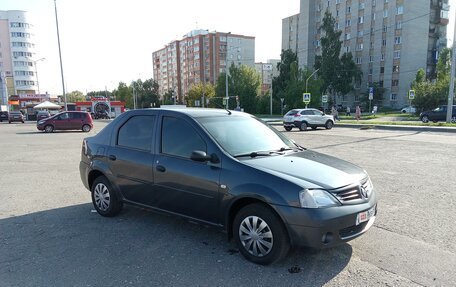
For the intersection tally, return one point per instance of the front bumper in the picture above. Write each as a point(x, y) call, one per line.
point(326, 227)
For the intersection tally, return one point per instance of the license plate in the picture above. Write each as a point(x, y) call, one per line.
point(365, 215)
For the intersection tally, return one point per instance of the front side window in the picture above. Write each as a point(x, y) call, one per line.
point(240, 135)
point(137, 133)
point(179, 138)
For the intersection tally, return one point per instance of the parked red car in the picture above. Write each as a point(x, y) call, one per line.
point(71, 120)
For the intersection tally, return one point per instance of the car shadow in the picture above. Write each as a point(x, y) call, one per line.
point(54, 132)
point(74, 246)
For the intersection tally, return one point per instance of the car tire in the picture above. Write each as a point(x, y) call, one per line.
point(86, 128)
point(434, 121)
point(271, 244)
point(104, 198)
point(425, 119)
point(453, 119)
point(329, 125)
point(303, 126)
point(288, 128)
point(48, 129)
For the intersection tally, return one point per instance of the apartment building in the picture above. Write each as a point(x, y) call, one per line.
point(267, 71)
point(199, 57)
point(390, 40)
point(17, 54)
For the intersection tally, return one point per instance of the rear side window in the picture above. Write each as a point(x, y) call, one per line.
point(306, 113)
point(77, 116)
point(179, 138)
point(292, 112)
point(137, 133)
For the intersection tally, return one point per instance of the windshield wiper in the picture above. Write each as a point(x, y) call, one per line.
point(253, 154)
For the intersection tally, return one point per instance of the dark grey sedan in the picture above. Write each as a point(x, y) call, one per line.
point(229, 170)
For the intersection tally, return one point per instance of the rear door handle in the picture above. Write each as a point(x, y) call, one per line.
point(160, 168)
point(112, 157)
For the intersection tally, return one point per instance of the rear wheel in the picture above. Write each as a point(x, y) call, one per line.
point(260, 234)
point(104, 198)
point(303, 126)
point(288, 128)
point(329, 125)
point(86, 128)
point(48, 129)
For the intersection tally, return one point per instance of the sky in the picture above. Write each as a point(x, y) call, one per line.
point(105, 42)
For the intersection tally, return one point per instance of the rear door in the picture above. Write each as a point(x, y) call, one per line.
point(185, 186)
point(131, 158)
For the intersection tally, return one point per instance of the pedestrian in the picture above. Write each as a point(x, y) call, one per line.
point(358, 113)
point(374, 110)
point(335, 113)
point(348, 111)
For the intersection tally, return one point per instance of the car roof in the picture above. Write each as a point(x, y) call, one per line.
point(198, 112)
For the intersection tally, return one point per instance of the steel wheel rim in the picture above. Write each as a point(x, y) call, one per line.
point(256, 236)
point(48, 129)
point(86, 128)
point(101, 196)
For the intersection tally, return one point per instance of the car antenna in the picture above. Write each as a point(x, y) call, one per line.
point(222, 107)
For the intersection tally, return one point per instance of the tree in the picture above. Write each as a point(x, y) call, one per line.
point(196, 93)
point(429, 95)
point(377, 98)
point(123, 93)
point(75, 96)
point(337, 72)
point(243, 82)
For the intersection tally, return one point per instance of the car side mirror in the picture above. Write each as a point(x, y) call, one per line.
point(201, 156)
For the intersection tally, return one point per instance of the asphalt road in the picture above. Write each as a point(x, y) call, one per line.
point(50, 235)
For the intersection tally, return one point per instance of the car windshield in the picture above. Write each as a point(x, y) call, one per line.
point(239, 135)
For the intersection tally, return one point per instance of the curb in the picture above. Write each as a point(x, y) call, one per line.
point(388, 127)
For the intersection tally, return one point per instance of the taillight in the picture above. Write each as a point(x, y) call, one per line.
point(84, 147)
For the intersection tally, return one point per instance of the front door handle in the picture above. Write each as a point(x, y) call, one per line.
point(160, 168)
point(112, 157)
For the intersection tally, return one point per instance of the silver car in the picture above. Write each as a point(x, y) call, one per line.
point(303, 118)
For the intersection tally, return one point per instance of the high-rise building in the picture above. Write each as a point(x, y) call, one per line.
point(17, 54)
point(390, 40)
point(199, 57)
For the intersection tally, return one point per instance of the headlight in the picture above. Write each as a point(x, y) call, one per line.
point(41, 122)
point(317, 198)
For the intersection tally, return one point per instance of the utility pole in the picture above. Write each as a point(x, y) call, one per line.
point(60, 55)
point(451, 91)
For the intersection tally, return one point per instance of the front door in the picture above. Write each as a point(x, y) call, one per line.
point(185, 186)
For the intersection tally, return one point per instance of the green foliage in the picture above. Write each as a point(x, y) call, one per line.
point(377, 98)
point(428, 94)
point(75, 96)
point(338, 73)
point(243, 82)
point(196, 93)
point(146, 94)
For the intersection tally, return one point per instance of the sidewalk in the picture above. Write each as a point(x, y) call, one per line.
point(378, 126)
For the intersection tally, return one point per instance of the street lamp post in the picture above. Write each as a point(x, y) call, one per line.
point(36, 73)
point(60, 56)
point(311, 77)
point(449, 114)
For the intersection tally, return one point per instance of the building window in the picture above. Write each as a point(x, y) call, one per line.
point(359, 47)
point(347, 36)
point(385, 28)
point(371, 59)
point(361, 20)
point(361, 6)
point(348, 9)
point(399, 10)
point(397, 40)
point(347, 23)
point(399, 25)
point(396, 69)
point(385, 13)
point(371, 70)
point(393, 97)
point(395, 83)
point(383, 57)
point(337, 26)
point(359, 60)
point(382, 70)
point(380, 84)
point(360, 33)
point(397, 54)
point(384, 42)
point(347, 49)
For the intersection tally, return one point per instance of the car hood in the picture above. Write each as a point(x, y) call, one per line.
point(322, 170)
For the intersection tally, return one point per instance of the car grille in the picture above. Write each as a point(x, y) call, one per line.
point(353, 193)
point(352, 230)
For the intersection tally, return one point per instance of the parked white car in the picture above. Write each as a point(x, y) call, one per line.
point(408, 110)
point(303, 118)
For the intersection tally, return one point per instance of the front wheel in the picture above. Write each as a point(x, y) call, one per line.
point(104, 198)
point(329, 125)
point(288, 128)
point(86, 128)
point(48, 129)
point(260, 235)
point(453, 119)
point(425, 119)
